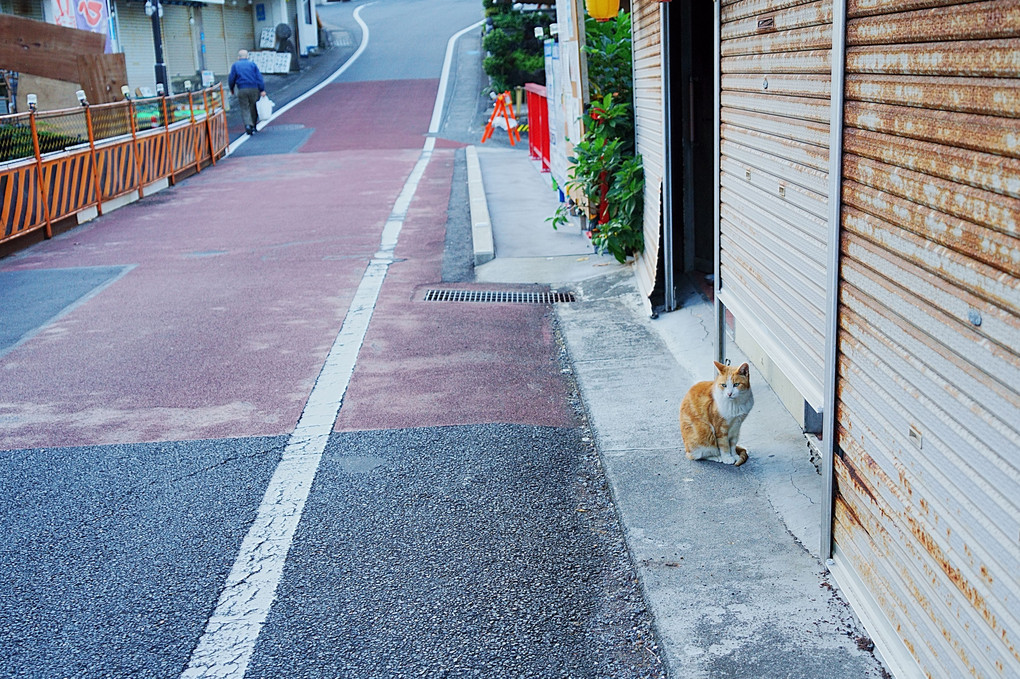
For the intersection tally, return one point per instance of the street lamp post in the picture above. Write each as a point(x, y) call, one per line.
point(155, 10)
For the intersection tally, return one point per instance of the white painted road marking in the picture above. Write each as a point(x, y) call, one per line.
point(336, 74)
point(225, 648)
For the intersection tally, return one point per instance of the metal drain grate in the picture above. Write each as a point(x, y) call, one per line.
point(498, 297)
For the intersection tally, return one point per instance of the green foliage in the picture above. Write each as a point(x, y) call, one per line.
point(623, 234)
point(605, 169)
point(608, 50)
point(530, 63)
point(493, 7)
point(515, 55)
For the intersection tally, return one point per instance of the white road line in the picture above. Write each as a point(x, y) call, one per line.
point(437, 110)
point(336, 74)
point(225, 648)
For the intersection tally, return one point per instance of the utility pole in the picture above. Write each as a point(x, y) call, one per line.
point(155, 10)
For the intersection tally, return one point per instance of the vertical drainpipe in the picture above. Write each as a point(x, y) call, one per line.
point(667, 244)
point(720, 317)
point(579, 14)
point(832, 269)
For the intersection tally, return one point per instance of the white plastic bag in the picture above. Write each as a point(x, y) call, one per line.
point(264, 107)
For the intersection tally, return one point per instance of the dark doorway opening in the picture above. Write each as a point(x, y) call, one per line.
point(689, 73)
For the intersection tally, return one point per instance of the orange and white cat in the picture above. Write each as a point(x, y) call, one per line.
point(712, 412)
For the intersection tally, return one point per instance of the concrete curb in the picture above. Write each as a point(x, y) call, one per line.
point(481, 224)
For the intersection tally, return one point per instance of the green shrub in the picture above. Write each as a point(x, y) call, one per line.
point(608, 51)
point(515, 55)
point(604, 168)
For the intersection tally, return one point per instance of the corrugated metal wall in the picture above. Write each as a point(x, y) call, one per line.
point(217, 57)
point(927, 511)
point(774, 137)
point(135, 33)
point(648, 109)
point(30, 9)
point(239, 31)
point(178, 46)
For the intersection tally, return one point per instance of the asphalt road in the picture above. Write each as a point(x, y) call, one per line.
point(171, 464)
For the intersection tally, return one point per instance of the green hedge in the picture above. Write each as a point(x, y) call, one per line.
point(515, 55)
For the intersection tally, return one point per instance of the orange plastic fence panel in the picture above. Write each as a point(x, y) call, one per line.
point(84, 155)
point(70, 182)
point(21, 210)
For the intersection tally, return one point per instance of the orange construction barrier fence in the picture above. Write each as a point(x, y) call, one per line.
point(55, 164)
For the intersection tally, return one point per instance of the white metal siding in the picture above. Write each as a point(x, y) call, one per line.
point(178, 46)
point(646, 29)
point(774, 137)
point(217, 57)
point(927, 510)
point(238, 30)
point(136, 41)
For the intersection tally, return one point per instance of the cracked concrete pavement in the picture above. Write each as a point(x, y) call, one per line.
point(728, 556)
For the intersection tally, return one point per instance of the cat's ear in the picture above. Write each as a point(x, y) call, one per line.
point(744, 370)
point(719, 366)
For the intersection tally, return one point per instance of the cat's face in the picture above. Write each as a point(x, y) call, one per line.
point(732, 383)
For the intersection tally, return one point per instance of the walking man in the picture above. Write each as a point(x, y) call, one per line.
point(246, 77)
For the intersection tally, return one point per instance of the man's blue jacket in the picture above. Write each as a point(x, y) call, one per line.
point(244, 74)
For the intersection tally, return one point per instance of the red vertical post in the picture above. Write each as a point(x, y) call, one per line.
point(538, 124)
point(532, 122)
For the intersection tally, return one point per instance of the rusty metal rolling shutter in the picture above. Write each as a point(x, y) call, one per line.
point(774, 137)
point(648, 112)
point(927, 507)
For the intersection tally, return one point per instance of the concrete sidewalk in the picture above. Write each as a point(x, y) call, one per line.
point(728, 557)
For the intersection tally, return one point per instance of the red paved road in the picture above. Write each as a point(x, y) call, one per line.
point(437, 363)
point(239, 280)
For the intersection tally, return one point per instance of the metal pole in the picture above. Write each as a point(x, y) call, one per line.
point(194, 131)
point(168, 152)
point(132, 116)
point(95, 160)
point(207, 106)
point(157, 41)
point(667, 161)
point(832, 271)
point(41, 185)
point(720, 312)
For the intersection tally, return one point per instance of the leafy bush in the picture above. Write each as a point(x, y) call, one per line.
point(607, 46)
point(515, 55)
point(605, 169)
